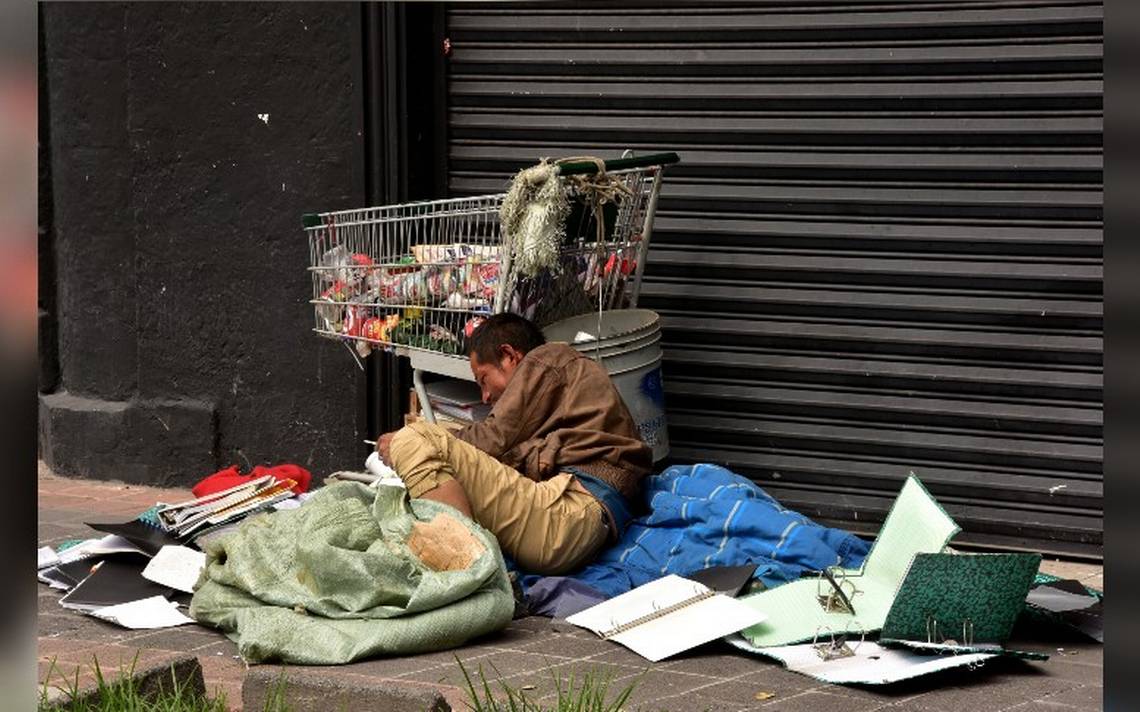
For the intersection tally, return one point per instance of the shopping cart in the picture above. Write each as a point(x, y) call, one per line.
point(417, 278)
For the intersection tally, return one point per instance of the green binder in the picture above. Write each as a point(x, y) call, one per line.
point(960, 602)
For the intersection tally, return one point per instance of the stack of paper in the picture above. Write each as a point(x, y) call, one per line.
point(460, 400)
point(185, 518)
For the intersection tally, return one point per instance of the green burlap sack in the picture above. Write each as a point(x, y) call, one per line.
point(354, 573)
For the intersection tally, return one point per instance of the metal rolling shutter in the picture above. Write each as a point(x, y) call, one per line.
point(882, 252)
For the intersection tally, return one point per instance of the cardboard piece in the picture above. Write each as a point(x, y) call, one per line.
point(916, 524)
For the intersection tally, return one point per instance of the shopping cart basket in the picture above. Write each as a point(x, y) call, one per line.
point(417, 278)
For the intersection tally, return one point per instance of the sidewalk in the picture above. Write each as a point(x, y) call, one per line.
point(713, 677)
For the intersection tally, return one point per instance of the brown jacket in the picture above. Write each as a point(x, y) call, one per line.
point(560, 409)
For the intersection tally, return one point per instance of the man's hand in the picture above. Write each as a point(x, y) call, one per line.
point(383, 446)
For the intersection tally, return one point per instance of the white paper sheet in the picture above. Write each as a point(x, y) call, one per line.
point(46, 557)
point(687, 627)
point(872, 664)
point(153, 612)
point(177, 567)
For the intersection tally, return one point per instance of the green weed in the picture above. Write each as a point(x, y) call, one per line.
point(123, 695)
point(587, 694)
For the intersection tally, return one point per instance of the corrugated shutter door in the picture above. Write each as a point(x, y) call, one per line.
point(881, 254)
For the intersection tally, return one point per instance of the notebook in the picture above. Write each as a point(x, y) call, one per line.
point(146, 536)
point(666, 617)
point(114, 581)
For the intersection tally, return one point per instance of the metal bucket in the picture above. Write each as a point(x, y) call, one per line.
point(628, 347)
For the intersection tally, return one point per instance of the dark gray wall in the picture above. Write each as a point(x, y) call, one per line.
point(180, 290)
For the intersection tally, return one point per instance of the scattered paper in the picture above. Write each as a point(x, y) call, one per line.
point(153, 612)
point(869, 663)
point(177, 567)
point(46, 557)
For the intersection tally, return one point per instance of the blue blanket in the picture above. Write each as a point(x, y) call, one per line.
point(705, 515)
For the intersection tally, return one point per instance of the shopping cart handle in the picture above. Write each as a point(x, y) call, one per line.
point(654, 159)
point(309, 220)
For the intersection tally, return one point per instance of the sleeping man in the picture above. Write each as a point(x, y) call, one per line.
point(553, 470)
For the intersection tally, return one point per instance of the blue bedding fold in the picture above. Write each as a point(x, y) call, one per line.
point(705, 515)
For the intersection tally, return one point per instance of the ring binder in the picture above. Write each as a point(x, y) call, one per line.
point(933, 638)
point(835, 600)
point(666, 616)
point(836, 648)
point(658, 612)
point(960, 603)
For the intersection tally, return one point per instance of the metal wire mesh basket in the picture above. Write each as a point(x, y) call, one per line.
point(419, 277)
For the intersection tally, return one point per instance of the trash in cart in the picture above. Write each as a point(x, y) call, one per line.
point(421, 276)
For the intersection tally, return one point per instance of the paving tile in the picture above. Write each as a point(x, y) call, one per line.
point(654, 685)
point(621, 655)
point(223, 675)
point(833, 700)
point(63, 648)
point(717, 663)
point(424, 661)
point(1070, 669)
point(49, 533)
point(397, 666)
point(694, 701)
point(218, 648)
point(501, 664)
point(1089, 697)
point(997, 693)
point(562, 645)
point(742, 691)
point(66, 624)
point(182, 639)
point(515, 637)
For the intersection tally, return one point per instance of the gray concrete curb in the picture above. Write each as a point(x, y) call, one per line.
point(185, 672)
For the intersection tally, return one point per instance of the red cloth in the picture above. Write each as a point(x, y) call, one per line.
point(231, 477)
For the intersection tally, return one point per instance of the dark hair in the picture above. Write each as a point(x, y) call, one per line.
point(505, 328)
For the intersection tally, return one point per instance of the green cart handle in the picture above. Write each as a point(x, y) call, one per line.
point(570, 169)
point(619, 164)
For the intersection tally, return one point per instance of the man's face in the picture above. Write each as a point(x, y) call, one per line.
point(493, 376)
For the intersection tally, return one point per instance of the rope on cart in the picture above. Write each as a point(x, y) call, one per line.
point(597, 190)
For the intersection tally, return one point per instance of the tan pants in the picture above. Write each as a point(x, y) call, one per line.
point(548, 527)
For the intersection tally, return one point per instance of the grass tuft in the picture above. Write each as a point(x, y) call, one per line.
point(122, 694)
point(587, 695)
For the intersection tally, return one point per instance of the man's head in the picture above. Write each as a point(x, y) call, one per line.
point(495, 349)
